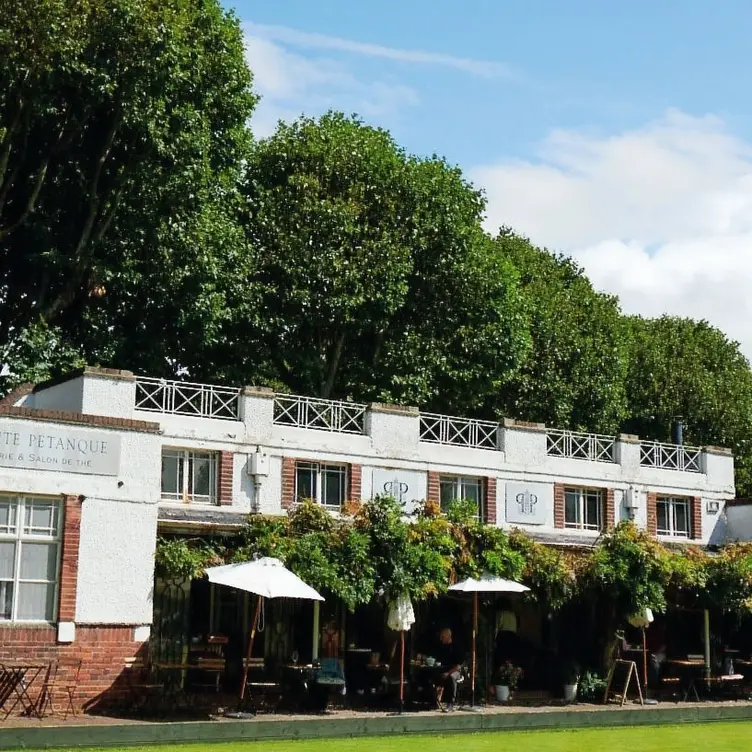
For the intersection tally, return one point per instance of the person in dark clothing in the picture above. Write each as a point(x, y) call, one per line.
point(450, 658)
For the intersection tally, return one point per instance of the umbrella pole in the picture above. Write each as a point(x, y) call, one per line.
point(475, 632)
point(644, 661)
point(254, 626)
point(402, 671)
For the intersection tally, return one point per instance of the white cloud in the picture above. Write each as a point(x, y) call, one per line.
point(286, 35)
point(291, 84)
point(661, 216)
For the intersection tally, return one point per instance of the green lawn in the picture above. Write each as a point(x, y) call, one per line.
point(710, 737)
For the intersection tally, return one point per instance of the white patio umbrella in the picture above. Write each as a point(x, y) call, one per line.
point(487, 583)
point(400, 618)
point(267, 578)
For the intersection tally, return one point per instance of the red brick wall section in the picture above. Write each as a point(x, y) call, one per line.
point(610, 508)
point(434, 494)
point(103, 678)
point(354, 480)
point(489, 508)
point(558, 505)
point(288, 482)
point(69, 558)
point(652, 514)
point(696, 504)
point(225, 477)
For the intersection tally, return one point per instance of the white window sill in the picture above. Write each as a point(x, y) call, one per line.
point(184, 504)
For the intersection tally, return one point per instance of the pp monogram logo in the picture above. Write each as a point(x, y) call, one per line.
point(526, 502)
point(396, 489)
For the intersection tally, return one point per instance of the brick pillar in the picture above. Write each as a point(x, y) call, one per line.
point(558, 505)
point(353, 484)
point(610, 508)
point(696, 504)
point(489, 507)
point(69, 558)
point(288, 482)
point(652, 514)
point(225, 477)
point(434, 493)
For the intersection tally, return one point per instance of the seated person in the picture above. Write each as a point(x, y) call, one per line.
point(450, 656)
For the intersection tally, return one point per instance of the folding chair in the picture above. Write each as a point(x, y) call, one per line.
point(71, 687)
point(331, 678)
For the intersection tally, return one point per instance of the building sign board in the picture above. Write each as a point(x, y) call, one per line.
point(66, 449)
point(529, 503)
point(406, 486)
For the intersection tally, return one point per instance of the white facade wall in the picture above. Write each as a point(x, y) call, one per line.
point(391, 447)
point(118, 511)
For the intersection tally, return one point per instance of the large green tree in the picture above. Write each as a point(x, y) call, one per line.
point(681, 367)
point(378, 281)
point(123, 124)
point(573, 376)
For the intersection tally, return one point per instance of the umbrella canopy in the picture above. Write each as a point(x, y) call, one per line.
point(401, 615)
point(266, 577)
point(488, 583)
point(642, 619)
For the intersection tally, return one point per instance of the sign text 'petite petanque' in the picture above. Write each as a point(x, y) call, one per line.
point(68, 450)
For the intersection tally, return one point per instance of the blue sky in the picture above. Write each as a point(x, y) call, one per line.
point(618, 133)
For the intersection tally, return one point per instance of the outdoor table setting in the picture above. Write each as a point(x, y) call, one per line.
point(17, 687)
point(689, 671)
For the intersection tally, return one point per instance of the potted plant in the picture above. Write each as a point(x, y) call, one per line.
point(571, 676)
point(507, 677)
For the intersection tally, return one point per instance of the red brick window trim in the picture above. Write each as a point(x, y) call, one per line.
point(652, 513)
point(489, 507)
point(225, 478)
point(69, 558)
point(696, 504)
point(433, 492)
point(558, 505)
point(320, 481)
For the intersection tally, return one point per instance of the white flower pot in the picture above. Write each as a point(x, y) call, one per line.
point(570, 692)
point(502, 693)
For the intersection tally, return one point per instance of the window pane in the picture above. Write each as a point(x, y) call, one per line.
point(593, 509)
point(571, 507)
point(7, 560)
point(305, 482)
point(6, 600)
point(35, 601)
point(170, 465)
point(471, 492)
point(38, 561)
point(448, 492)
point(8, 510)
point(681, 518)
point(662, 510)
point(40, 517)
point(333, 486)
point(202, 473)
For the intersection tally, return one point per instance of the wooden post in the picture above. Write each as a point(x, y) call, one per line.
point(706, 629)
point(402, 671)
point(475, 633)
point(254, 627)
point(644, 661)
point(316, 630)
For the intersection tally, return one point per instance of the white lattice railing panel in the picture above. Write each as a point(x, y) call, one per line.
point(671, 456)
point(580, 446)
point(468, 432)
point(319, 414)
point(185, 398)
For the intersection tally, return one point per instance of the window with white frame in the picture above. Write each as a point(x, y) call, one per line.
point(324, 483)
point(189, 476)
point(460, 488)
point(673, 516)
point(583, 508)
point(29, 557)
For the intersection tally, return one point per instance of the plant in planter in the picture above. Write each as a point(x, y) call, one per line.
point(571, 677)
point(591, 688)
point(507, 678)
